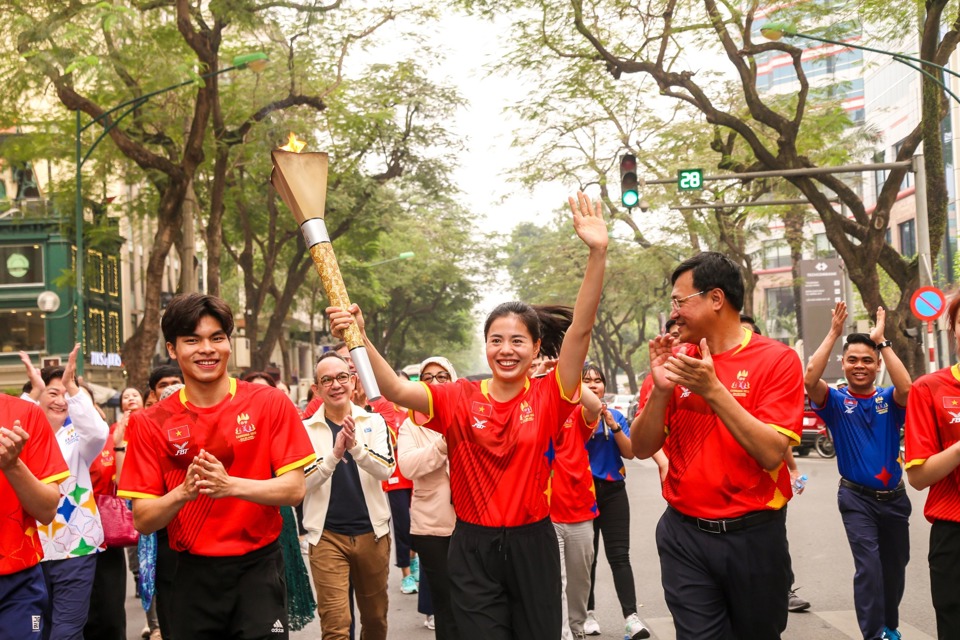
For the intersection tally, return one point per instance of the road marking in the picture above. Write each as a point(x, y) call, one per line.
point(843, 621)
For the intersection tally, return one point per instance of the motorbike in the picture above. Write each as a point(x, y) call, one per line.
point(824, 443)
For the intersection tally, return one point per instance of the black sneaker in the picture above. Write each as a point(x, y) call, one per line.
point(796, 603)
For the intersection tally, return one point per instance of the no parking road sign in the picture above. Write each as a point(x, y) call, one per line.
point(928, 303)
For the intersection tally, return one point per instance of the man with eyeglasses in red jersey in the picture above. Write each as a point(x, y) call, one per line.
point(213, 463)
point(724, 407)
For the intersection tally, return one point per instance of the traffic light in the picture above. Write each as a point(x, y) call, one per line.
point(629, 194)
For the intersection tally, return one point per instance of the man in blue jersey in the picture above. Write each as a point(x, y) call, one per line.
point(865, 421)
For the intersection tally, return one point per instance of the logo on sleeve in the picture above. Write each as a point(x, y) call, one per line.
point(245, 431)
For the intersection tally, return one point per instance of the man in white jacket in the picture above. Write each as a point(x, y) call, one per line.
point(345, 511)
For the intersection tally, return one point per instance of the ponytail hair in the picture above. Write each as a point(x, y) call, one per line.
point(546, 323)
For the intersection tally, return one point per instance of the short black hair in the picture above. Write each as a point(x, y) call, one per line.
point(324, 356)
point(745, 319)
point(161, 372)
point(712, 270)
point(183, 314)
point(51, 373)
point(669, 325)
point(594, 369)
point(859, 338)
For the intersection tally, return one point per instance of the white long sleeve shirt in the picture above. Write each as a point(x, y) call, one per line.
point(76, 530)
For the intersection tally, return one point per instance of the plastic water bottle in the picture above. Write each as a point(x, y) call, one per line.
point(800, 483)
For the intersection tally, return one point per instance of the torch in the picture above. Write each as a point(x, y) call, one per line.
point(301, 180)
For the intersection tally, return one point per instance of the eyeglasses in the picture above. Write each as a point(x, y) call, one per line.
point(676, 303)
point(341, 378)
point(441, 377)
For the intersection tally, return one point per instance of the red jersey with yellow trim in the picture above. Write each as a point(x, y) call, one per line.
point(394, 418)
point(499, 451)
point(710, 474)
point(19, 541)
point(572, 496)
point(103, 471)
point(255, 432)
point(932, 425)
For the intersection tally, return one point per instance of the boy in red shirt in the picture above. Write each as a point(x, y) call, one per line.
point(213, 464)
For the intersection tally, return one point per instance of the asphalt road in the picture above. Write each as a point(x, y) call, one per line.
point(821, 560)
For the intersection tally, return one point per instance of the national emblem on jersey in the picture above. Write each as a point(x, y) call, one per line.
point(849, 405)
point(881, 405)
point(740, 387)
point(951, 402)
point(526, 412)
point(245, 430)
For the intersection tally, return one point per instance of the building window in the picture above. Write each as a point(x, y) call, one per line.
point(22, 330)
point(906, 231)
point(822, 247)
point(94, 272)
point(113, 276)
point(113, 332)
point(96, 330)
point(21, 265)
point(781, 317)
point(776, 254)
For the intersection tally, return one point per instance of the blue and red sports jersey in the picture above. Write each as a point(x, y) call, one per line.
point(255, 432)
point(20, 546)
point(572, 495)
point(866, 433)
point(933, 425)
point(499, 451)
point(604, 452)
point(710, 474)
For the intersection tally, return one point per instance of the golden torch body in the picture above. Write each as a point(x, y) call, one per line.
point(301, 181)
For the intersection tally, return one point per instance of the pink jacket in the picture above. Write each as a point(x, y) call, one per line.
point(422, 457)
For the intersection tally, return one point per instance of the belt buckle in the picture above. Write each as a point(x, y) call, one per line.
point(711, 526)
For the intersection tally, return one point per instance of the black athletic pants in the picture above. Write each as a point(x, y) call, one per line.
point(433, 551)
point(505, 581)
point(944, 559)
point(218, 597)
point(613, 523)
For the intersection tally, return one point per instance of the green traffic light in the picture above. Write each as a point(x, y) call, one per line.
point(630, 199)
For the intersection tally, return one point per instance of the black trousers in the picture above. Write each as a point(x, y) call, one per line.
point(400, 513)
point(505, 581)
point(613, 523)
point(240, 597)
point(107, 618)
point(725, 586)
point(166, 571)
point(433, 552)
point(944, 559)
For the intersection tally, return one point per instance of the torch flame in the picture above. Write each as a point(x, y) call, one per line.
point(294, 144)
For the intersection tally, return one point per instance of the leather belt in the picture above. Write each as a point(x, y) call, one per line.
point(732, 524)
point(876, 494)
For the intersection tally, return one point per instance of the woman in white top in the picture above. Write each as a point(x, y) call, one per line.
point(72, 540)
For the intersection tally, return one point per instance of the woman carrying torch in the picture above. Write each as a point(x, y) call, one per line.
point(504, 559)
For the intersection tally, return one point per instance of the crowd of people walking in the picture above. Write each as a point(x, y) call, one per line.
point(491, 496)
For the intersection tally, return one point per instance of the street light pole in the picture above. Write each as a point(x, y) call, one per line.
point(253, 61)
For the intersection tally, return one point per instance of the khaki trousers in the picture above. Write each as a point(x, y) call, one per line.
point(335, 562)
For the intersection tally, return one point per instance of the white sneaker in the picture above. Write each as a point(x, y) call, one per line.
point(429, 623)
point(634, 629)
point(590, 626)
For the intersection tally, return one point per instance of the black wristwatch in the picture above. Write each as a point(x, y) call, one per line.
point(885, 343)
point(119, 449)
point(616, 429)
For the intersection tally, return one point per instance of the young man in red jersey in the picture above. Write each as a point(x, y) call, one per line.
point(213, 464)
point(31, 468)
point(724, 407)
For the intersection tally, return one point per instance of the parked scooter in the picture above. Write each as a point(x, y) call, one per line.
point(824, 443)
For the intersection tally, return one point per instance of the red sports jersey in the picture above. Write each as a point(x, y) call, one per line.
point(710, 474)
point(499, 464)
point(394, 418)
point(932, 425)
point(255, 432)
point(103, 471)
point(315, 403)
point(572, 496)
point(19, 542)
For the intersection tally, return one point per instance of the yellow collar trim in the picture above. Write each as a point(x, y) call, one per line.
point(485, 387)
point(233, 392)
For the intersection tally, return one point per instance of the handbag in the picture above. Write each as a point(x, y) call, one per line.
point(117, 521)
